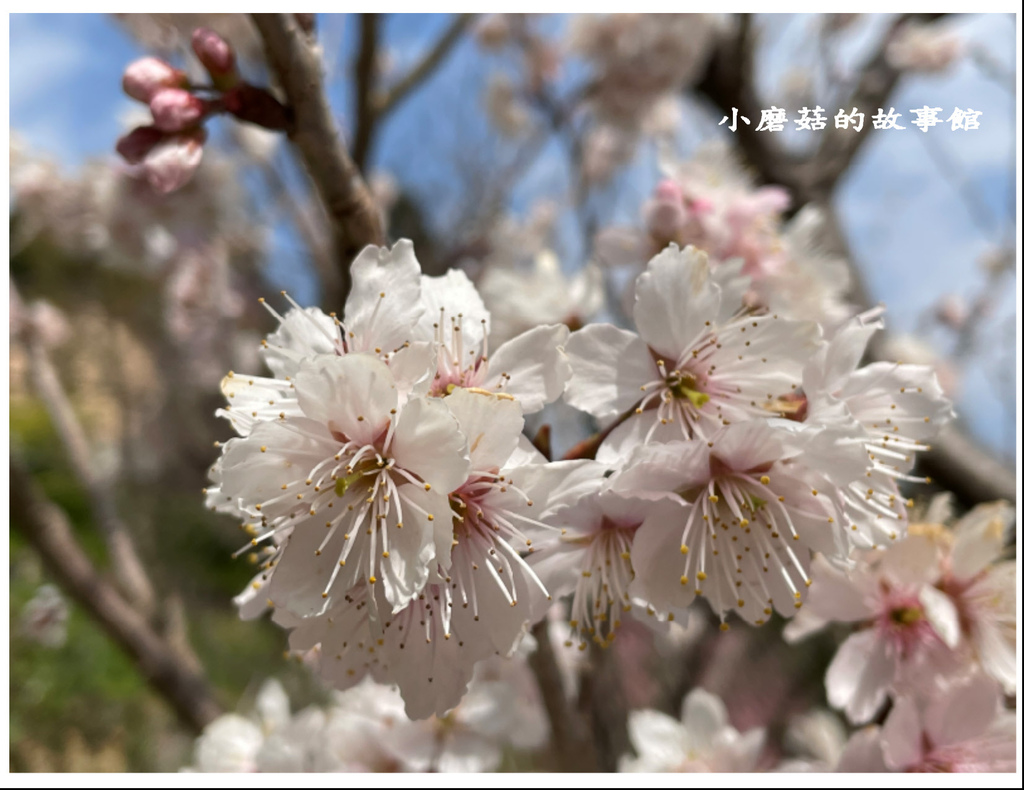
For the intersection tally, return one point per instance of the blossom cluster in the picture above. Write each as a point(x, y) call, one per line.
point(365, 729)
point(409, 530)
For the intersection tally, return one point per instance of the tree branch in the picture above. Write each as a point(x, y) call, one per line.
point(354, 217)
point(387, 101)
point(366, 77)
point(956, 462)
point(373, 106)
point(46, 527)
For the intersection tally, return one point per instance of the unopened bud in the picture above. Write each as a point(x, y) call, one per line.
point(175, 110)
point(668, 191)
point(216, 56)
point(136, 145)
point(171, 164)
point(146, 76)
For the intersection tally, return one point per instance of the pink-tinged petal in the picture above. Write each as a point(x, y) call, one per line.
point(863, 753)
point(912, 561)
point(834, 596)
point(980, 538)
point(609, 366)
point(901, 736)
point(658, 562)
point(352, 395)
point(962, 711)
point(942, 614)
point(427, 442)
point(675, 300)
point(532, 367)
point(492, 427)
point(859, 676)
point(384, 305)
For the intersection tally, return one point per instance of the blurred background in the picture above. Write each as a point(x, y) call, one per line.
point(140, 302)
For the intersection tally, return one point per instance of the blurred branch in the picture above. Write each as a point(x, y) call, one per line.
point(956, 462)
point(876, 84)
point(574, 750)
point(354, 217)
point(365, 77)
point(386, 102)
point(373, 106)
point(46, 527)
point(128, 569)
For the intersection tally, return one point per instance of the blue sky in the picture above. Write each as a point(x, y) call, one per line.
point(908, 223)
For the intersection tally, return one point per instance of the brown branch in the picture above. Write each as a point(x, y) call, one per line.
point(353, 214)
point(128, 569)
point(569, 734)
point(365, 79)
point(46, 527)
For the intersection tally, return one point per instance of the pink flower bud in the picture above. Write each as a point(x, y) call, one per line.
point(664, 219)
point(668, 191)
point(171, 164)
point(216, 56)
point(146, 76)
point(136, 145)
point(175, 110)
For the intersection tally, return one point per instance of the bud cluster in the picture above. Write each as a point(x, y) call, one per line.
point(169, 150)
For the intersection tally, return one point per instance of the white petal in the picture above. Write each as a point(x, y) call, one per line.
point(658, 739)
point(609, 365)
point(492, 427)
point(942, 614)
point(302, 333)
point(704, 715)
point(858, 678)
point(457, 296)
point(352, 395)
point(675, 298)
point(532, 367)
point(384, 305)
point(657, 561)
point(980, 537)
point(913, 560)
point(427, 442)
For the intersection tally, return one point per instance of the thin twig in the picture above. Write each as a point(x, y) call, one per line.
point(353, 214)
point(46, 527)
point(387, 101)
